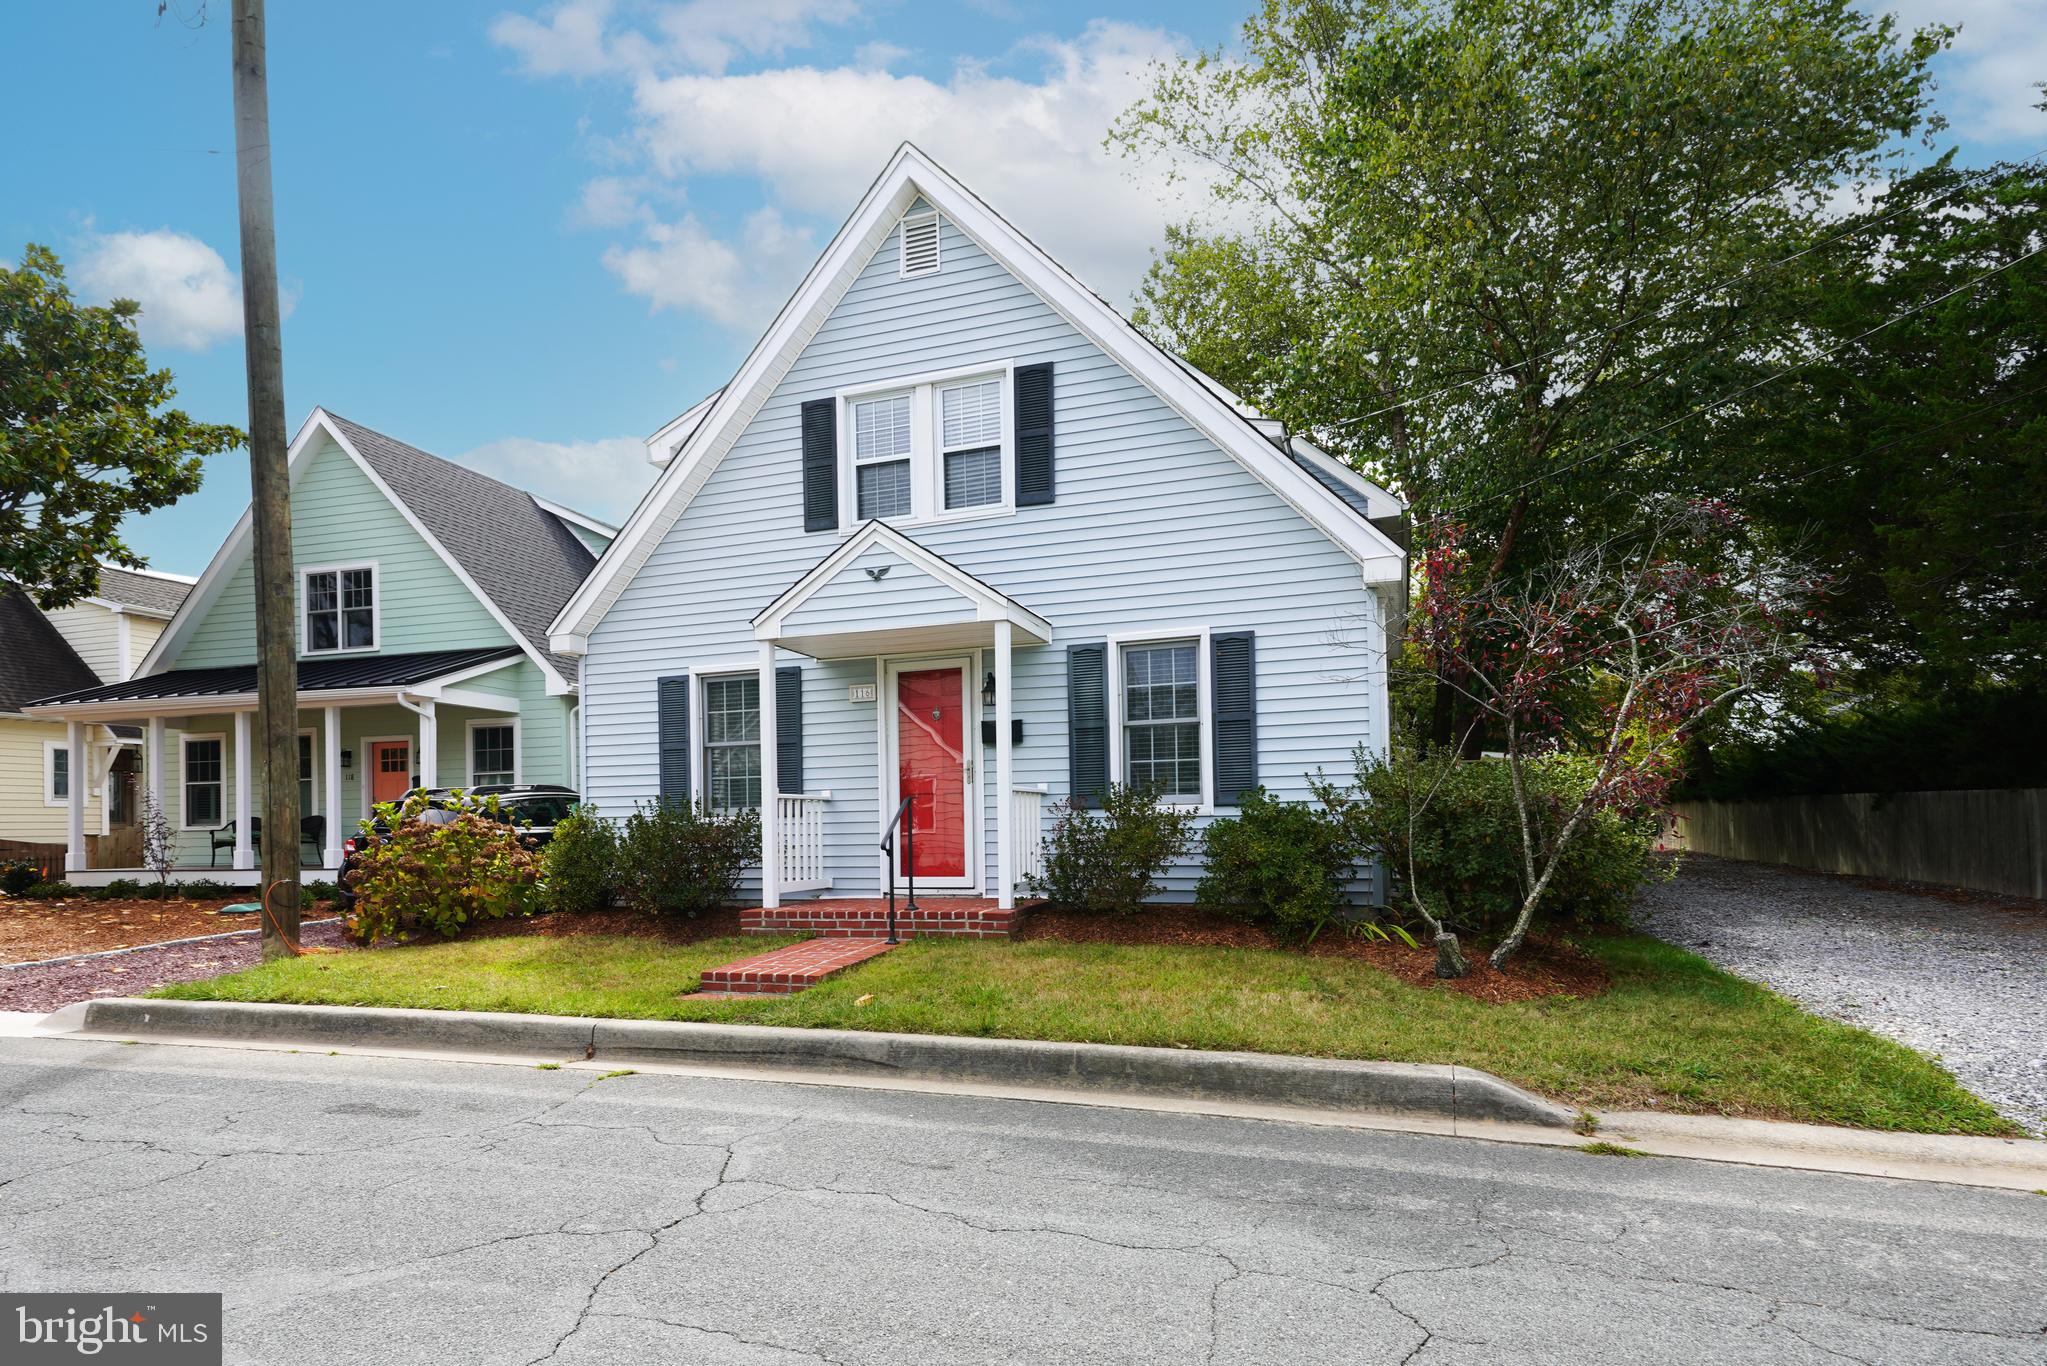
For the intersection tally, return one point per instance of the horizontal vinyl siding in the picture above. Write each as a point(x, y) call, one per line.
point(904, 596)
point(339, 517)
point(1154, 527)
point(93, 632)
point(22, 813)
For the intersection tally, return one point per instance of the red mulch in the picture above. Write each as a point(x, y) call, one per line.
point(1542, 968)
point(32, 930)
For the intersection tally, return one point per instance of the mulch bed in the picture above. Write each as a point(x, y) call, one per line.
point(1542, 968)
point(43, 987)
point(31, 930)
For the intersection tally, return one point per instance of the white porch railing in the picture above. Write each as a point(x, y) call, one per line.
point(1026, 827)
point(799, 832)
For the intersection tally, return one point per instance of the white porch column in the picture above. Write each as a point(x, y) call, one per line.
point(771, 844)
point(75, 782)
point(429, 745)
point(245, 848)
point(153, 761)
point(330, 856)
point(1005, 777)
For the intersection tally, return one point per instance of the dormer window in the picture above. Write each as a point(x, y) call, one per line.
point(339, 603)
point(926, 449)
point(919, 245)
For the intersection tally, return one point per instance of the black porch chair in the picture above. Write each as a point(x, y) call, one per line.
point(224, 838)
point(313, 831)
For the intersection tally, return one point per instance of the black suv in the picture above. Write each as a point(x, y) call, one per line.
point(532, 808)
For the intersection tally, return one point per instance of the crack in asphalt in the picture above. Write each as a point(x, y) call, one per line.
point(809, 1354)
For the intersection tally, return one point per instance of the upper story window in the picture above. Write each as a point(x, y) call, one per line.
point(340, 605)
point(932, 448)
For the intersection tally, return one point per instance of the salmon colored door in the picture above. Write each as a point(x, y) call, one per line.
point(390, 769)
point(931, 765)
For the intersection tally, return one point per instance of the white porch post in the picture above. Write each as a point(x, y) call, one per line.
point(429, 745)
point(771, 844)
point(330, 856)
point(245, 850)
point(154, 762)
point(1005, 777)
point(74, 792)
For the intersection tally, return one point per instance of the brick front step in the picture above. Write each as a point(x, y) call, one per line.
point(783, 972)
point(935, 917)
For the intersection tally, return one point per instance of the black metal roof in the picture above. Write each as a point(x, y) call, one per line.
point(315, 675)
point(34, 658)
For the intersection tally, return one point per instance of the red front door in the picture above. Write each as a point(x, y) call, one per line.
point(390, 769)
point(931, 765)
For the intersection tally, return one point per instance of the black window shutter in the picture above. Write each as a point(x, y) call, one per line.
point(789, 729)
point(821, 465)
point(672, 716)
point(1087, 722)
point(1034, 472)
point(1234, 678)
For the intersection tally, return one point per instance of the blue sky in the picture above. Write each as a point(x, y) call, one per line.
point(526, 235)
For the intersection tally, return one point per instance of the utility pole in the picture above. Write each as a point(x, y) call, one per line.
point(277, 769)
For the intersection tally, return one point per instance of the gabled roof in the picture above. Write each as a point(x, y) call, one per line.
point(909, 175)
point(988, 604)
point(153, 594)
point(520, 559)
point(34, 659)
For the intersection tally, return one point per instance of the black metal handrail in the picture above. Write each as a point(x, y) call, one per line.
point(906, 807)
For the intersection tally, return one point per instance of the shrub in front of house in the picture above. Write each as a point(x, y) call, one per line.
point(1466, 842)
point(1284, 862)
point(17, 877)
point(412, 875)
point(683, 858)
point(581, 863)
point(1111, 860)
point(49, 891)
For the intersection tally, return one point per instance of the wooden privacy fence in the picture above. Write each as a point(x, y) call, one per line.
point(1993, 841)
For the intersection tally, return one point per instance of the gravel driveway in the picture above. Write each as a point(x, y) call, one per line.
point(1959, 976)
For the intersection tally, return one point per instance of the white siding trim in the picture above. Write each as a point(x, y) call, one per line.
point(341, 621)
point(518, 745)
point(51, 748)
point(185, 741)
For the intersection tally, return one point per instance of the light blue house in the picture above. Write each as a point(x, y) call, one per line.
point(973, 540)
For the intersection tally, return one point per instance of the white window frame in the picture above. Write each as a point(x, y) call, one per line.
point(376, 608)
point(903, 271)
point(908, 458)
point(1204, 705)
point(51, 748)
point(927, 462)
point(315, 756)
point(489, 723)
point(185, 741)
point(700, 735)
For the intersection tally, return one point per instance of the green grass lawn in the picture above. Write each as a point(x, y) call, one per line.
point(1674, 1030)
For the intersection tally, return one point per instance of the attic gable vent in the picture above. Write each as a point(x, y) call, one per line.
point(920, 245)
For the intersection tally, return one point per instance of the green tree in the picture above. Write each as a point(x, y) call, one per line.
point(85, 436)
point(1910, 464)
point(1495, 252)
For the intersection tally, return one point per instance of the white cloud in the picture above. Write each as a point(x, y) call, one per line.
point(685, 266)
point(603, 478)
point(1989, 84)
point(188, 295)
point(577, 38)
point(878, 55)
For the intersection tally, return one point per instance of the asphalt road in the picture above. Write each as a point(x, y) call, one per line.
point(389, 1211)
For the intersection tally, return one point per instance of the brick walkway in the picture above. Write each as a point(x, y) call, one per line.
point(784, 972)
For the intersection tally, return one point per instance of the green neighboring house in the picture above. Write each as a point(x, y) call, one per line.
point(423, 593)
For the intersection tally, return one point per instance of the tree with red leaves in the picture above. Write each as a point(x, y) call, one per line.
point(1618, 652)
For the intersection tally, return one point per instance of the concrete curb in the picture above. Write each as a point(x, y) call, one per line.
point(1460, 1095)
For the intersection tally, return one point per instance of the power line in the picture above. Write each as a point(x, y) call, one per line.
point(1747, 389)
point(1574, 341)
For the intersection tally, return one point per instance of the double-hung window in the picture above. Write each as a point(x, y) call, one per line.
point(928, 448)
point(882, 453)
point(56, 773)
point(306, 786)
point(1161, 722)
point(493, 753)
point(340, 609)
point(202, 759)
point(732, 742)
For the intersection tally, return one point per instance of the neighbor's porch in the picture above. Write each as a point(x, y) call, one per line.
point(359, 744)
